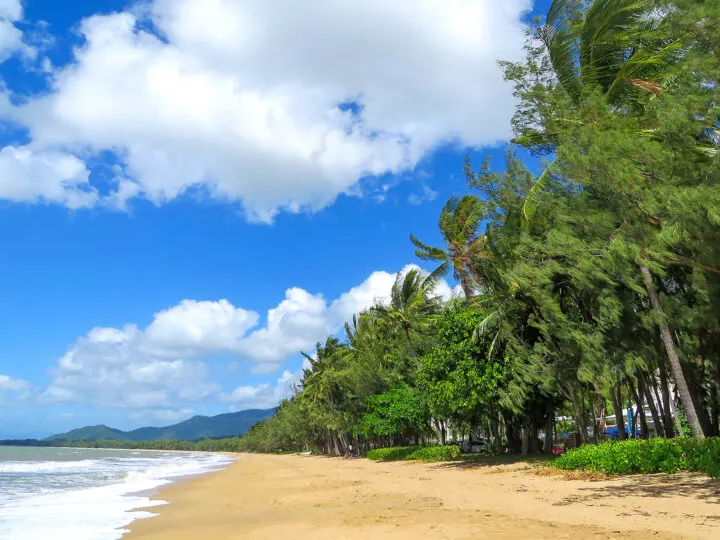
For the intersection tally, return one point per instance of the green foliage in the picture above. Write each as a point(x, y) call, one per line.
point(570, 279)
point(460, 381)
point(415, 453)
point(645, 457)
point(402, 411)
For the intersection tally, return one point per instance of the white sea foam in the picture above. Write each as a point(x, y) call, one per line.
point(88, 499)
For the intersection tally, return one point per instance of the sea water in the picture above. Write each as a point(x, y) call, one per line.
point(79, 494)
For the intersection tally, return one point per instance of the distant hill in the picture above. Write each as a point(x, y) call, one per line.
point(196, 428)
point(91, 433)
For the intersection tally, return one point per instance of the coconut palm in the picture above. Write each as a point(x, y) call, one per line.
point(413, 305)
point(458, 223)
point(610, 46)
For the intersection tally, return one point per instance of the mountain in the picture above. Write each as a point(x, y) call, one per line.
point(204, 427)
point(91, 433)
point(197, 427)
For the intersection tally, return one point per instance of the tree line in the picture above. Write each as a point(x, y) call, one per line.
point(586, 288)
point(227, 444)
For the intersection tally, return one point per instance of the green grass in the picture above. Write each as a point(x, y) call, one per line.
point(417, 453)
point(645, 457)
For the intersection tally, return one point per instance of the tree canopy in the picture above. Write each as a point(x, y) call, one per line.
point(588, 288)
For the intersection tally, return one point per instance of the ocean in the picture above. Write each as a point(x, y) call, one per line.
point(79, 494)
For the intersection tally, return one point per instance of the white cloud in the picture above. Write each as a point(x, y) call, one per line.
point(110, 368)
point(11, 10)
point(11, 38)
point(46, 176)
point(262, 396)
point(242, 98)
point(193, 327)
point(296, 323)
point(14, 388)
point(160, 369)
point(427, 195)
point(265, 368)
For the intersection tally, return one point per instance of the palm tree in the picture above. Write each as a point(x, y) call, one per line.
point(611, 45)
point(458, 222)
point(605, 46)
point(413, 305)
point(322, 387)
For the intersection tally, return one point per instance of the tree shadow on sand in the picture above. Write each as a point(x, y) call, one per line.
point(694, 486)
point(478, 461)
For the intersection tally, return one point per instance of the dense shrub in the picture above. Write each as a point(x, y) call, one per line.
point(639, 456)
point(419, 453)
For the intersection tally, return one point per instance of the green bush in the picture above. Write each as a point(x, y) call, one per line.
point(639, 456)
point(419, 453)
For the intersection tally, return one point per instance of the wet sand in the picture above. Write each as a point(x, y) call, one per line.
point(298, 497)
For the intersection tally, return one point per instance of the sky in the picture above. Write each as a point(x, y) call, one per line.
point(193, 191)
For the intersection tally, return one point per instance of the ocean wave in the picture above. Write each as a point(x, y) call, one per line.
point(48, 466)
point(93, 513)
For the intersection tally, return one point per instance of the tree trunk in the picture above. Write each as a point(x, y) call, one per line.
point(697, 392)
point(667, 339)
point(549, 432)
point(410, 343)
point(645, 389)
point(599, 424)
point(533, 440)
point(644, 434)
point(525, 433)
point(514, 443)
point(714, 409)
point(466, 287)
point(336, 446)
point(670, 415)
point(665, 415)
point(616, 394)
point(494, 429)
point(580, 424)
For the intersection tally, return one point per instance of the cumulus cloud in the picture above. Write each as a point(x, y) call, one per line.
point(11, 10)
point(13, 388)
point(161, 367)
point(262, 396)
point(279, 105)
point(302, 319)
point(196, 328)
point(45, 176)
point(110, 367)
point(10, 37)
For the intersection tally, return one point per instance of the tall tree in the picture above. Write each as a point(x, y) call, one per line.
point(613, 60)
point(458, 224)
point(413, 307)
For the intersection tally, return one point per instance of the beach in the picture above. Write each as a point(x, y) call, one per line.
point(289, 497)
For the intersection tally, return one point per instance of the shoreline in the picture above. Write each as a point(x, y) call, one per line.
point(263, 496)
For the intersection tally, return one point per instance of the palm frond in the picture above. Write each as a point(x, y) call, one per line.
point(425, 252)
point(487, 324)
point(433, 278)
point(491, 349)
point(562, 45)
point(532, 199)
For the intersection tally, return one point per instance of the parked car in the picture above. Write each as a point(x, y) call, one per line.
point(475, 446)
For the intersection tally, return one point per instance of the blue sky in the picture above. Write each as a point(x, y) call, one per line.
point(187, 199)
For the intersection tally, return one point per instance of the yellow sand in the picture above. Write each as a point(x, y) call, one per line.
point(294, 497)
